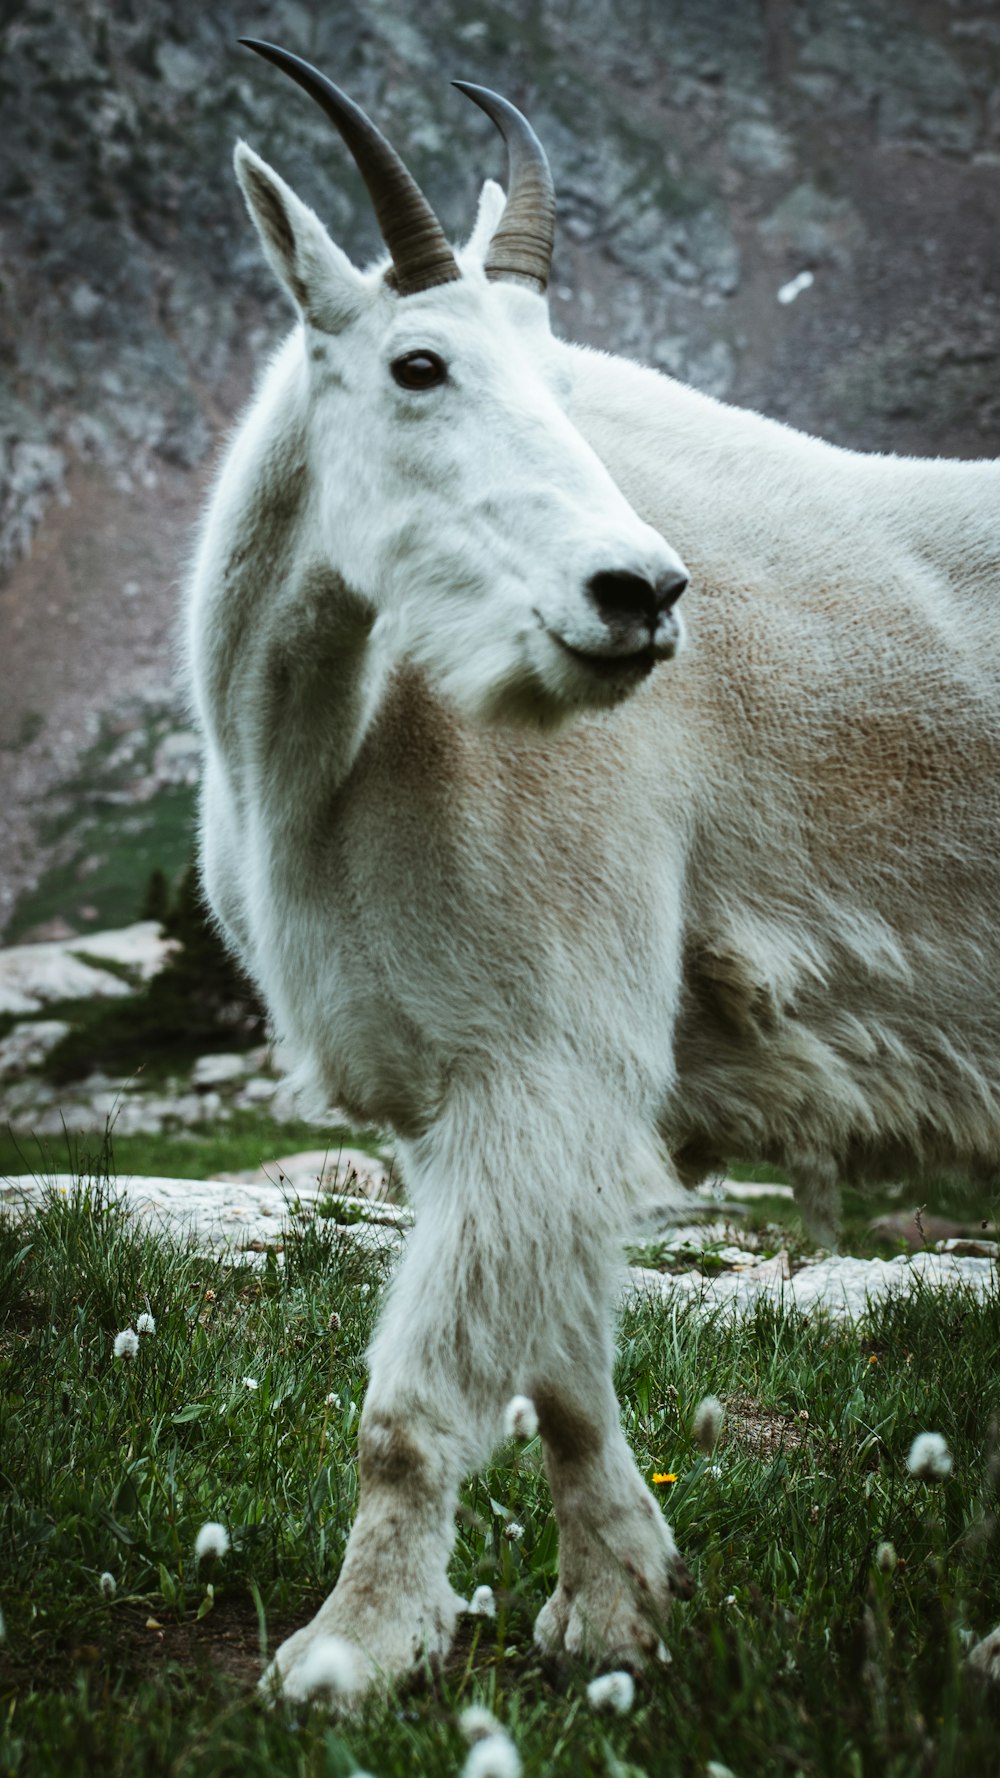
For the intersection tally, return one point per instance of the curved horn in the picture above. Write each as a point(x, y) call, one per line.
point(521, 249)
point(421, 256)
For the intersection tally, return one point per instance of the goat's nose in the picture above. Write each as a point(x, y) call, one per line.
point(631, 598)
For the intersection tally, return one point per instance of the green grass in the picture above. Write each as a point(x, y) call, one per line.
point(246, 1139)
point(794, 1655)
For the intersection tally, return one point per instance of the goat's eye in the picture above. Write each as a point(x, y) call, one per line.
point(419, 370)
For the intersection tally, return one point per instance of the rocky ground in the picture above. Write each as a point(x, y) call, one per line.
point(794, 208)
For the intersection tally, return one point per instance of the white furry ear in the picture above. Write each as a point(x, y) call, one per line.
point(324, 285)
point(492, 203)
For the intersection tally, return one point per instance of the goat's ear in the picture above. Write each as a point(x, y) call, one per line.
point(492, 203)
point(326, 288)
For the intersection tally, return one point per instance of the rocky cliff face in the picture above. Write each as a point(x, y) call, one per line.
point(707, 154)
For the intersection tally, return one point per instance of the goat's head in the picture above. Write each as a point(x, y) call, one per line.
point(453, 491)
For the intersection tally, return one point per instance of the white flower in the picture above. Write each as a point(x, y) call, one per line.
point(495, 1756)
point(929, 1458)
point(127, 1343)
point(145, 1323)
point(476, 1722)
point(885, 1558)
point(250, 1383)
point(211, 1541)
point(482, 1603)
point(707, 1423)
point(331, 1666)
point(520, 1420)
point(513, 1532)
point(108, 1585)
point(333, 1401)
point(612, 1691)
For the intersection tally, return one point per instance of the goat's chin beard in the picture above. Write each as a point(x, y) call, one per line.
point(541, 694)
point(522, 679)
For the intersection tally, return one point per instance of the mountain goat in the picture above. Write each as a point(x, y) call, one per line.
point(576, 918)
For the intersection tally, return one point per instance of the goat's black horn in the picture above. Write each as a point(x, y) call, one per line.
point(421, 256)
point(521, 249)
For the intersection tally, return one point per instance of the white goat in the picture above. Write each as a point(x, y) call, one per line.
point(750, 909)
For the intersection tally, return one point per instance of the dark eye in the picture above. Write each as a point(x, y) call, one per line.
point(419, 370)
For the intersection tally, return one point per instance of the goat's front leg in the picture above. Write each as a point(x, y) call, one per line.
point(505, 1289)
point(619, 1567)
point(430, 1415)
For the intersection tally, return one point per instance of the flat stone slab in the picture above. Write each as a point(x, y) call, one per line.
point(840, 1286)
point(222, 1217)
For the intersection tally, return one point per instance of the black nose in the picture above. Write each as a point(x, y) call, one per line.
point(632, 599)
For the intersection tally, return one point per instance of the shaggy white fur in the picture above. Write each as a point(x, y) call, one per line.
point(578, 932)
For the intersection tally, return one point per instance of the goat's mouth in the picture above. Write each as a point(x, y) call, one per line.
point(636, 665)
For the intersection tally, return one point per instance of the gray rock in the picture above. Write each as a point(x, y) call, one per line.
point(215, 1071)
point(28, 1045)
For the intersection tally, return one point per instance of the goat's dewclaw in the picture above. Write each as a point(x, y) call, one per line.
point(126, 1343)
point(145, 1323)
point(520, 1419)
point(494, 1756)
point(984, 1658)
point(929, 1458)
point(707, 1424)
point(612, 1691)
point(212, 1542)
point(108, 1584)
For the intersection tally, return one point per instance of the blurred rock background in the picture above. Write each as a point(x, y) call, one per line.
point(707, 154)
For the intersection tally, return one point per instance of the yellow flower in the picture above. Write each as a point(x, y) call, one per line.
point(659, 1478)
point(873, 1358)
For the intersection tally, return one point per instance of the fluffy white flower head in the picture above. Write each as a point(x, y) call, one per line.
point(520, 1420)
point(333, 1400)
point(476, 1722)
point(250, 1383)
point(929, 1458)
point(212, 1540)
point(127, 1343)
point(108, 1585)
point(332, 1668)
point(482, 1603)
point(707, 1423)
point(145, 1323)
point(513, 1532)
point(495, 1756)
point(612, 1691)
point(886, 1557)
